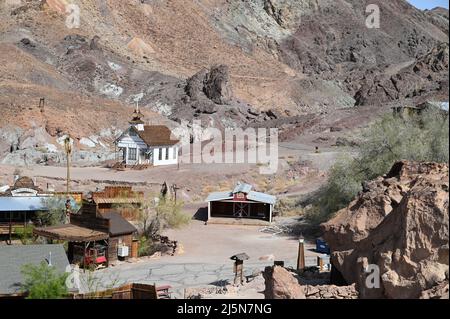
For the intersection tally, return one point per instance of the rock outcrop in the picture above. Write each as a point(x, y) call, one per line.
point(213, 85)
point(398, 223)
point(283, 284)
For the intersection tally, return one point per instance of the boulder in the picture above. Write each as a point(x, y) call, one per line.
point(399, 223)
point(210, 85)
point(281, 284)
point(217, 86)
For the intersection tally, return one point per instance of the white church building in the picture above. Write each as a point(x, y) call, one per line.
point(147, 144)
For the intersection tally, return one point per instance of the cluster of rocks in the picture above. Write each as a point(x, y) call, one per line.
point(281, 283)
point(37, 146)
point(399, 224)
point(428, 74)
point(208, 96)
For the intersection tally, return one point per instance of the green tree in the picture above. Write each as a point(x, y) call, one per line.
point(56, 213)
point(44, 282)
point(423, 137)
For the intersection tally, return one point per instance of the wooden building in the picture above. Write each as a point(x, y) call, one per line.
point(20, 204)
point(94, 238)
point(241, 203)
point(144, 144)
point(120, 199)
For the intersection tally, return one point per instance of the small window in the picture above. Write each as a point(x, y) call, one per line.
point(132, 154)
point(160, 154)
point(174, 152)
point(167, 153)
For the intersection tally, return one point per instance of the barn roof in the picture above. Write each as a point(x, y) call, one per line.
point(242, 188)
point(215, 196)
point(13, 258)
point(156, 135)
point(261, 197)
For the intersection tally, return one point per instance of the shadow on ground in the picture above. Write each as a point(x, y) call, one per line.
point(201, 214)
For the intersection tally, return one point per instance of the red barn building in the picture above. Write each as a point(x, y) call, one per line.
point(241, 203)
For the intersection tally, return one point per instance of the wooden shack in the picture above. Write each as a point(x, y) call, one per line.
point(121, 199)
point(94, 238)
point(241, 203)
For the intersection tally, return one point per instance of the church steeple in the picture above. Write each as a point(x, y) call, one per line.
point(137, 117)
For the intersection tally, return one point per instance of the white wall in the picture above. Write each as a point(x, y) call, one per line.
point(130, 141)
point(172, 159)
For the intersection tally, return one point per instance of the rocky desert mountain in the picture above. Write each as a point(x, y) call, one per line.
point(227, 62)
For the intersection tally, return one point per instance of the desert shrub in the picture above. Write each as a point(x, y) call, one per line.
point(44, 282)
point(170, 215)
point(422, 137)
point(25, 234)
point(288, 207)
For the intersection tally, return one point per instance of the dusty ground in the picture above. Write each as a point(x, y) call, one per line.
point(203, 259)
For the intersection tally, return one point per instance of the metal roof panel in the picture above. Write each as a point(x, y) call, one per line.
point(17, 204)
point(261, 197)
point(13, 258)
point(219, 196)
point(242, 188)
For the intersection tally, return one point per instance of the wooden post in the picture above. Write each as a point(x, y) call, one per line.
point(239, 272)
point(301, 254)
point(320, 263)
point(68, 149)
point(10, 229)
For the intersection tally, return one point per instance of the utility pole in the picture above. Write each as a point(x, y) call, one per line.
point(68, 149)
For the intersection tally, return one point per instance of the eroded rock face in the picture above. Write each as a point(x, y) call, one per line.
point(398, 223)
point(212, 84)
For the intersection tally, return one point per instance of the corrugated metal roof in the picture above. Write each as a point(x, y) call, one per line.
point(261, 197)
point(13, 258)
point(219, 196)
point(242, 188)
point(252, 195)
point(16, 204)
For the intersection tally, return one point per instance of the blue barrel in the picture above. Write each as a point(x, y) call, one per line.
point(322, 247)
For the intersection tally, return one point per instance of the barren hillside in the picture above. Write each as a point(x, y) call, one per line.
point(280, 58)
